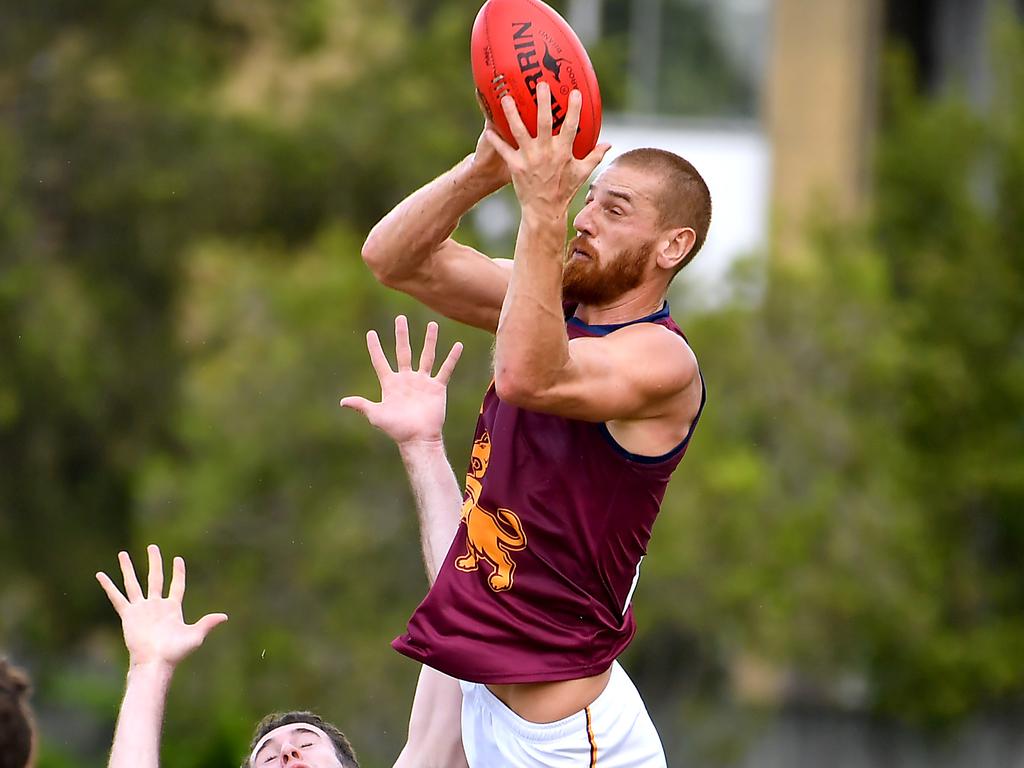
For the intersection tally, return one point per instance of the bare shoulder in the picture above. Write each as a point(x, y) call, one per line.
point(659, 354)
point(639, 372)
point(662, 370)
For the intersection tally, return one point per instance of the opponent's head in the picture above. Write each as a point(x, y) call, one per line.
point(299, 740)
point(645, 218)
point(16, 729)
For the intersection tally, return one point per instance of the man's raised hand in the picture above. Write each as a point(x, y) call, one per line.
point(154, 627)
point(412, 402)
point(545, 173)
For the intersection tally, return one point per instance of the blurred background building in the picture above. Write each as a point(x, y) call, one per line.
point(775, 100)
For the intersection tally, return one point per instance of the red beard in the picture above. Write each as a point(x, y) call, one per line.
point(584, 281)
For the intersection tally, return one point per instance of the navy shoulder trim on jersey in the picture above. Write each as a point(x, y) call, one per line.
point(604, 330)
point(641, 459)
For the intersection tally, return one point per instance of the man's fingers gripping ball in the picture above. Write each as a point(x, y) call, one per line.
point(519, 47)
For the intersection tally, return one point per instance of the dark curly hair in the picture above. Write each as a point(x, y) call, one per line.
point(342, 747)
point(15, 717)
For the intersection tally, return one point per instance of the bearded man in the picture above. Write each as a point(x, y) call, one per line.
point(595, 396)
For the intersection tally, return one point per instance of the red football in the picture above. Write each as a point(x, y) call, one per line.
point(516, 44)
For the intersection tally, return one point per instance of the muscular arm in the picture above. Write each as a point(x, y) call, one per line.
point(411, 249)
point(535, 365)
point(531, 348)
point(641, 372)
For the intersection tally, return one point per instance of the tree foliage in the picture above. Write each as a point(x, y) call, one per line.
point(850, 509)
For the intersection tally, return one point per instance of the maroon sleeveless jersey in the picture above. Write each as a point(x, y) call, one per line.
point(555, 521)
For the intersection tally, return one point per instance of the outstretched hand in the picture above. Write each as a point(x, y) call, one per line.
point(412, 402)
point(545, 173)
point(154, 627)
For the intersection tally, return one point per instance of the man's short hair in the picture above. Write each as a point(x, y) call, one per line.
point(15, 717)
point(342, 747)
point(684, 201)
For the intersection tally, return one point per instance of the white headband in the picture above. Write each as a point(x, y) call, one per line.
point(270, 735)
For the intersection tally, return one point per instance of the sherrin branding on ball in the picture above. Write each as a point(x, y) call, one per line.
point(515, 45)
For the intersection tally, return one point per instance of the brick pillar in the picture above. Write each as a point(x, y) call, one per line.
point(821, 95)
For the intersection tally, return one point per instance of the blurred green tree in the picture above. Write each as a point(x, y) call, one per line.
point(168, 171)
point(850, 509)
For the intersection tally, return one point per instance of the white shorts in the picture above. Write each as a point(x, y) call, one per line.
point(613, 732)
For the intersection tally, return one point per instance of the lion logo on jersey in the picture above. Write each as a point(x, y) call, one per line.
point(490, 536)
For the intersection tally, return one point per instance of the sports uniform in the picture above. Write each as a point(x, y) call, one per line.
point(615, 731)
point(537, 583)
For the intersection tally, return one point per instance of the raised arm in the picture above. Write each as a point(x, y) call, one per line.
point(411, 412)
point(435, 724)
point(158, 639)
point(411, 249)
point(642, 372)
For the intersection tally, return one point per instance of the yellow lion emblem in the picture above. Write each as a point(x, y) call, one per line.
point(491, 536)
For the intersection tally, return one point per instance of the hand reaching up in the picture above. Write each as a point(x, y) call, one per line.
point(412, 402)
point(154, 627)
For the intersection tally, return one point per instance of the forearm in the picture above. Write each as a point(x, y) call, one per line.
point(140, 721)
point(438, 499)
point(531, 345)
point(416, 227)
point(435, 726)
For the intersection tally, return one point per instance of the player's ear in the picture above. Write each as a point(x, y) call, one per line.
point(675, 246)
